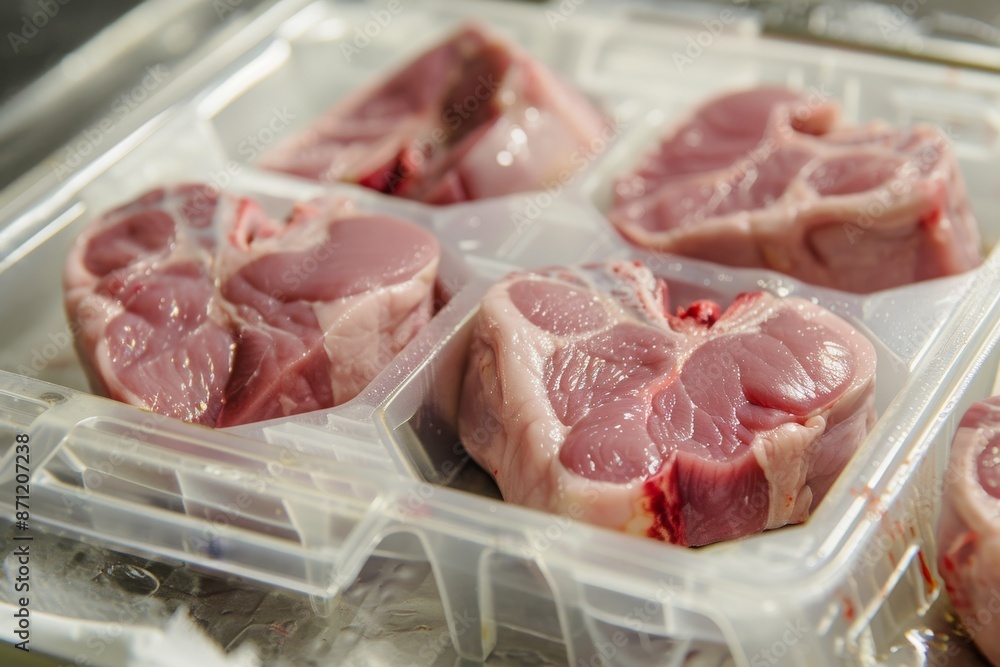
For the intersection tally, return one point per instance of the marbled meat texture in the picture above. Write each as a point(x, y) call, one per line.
point(199, 306)
point(769, 178)
point(585, 395)
point(968, 532)
point(471, 118)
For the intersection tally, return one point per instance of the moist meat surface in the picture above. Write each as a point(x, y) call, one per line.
point(585, 395)
point(769, 178)
point(199, 306)
point(968, 533)
point(471, 118)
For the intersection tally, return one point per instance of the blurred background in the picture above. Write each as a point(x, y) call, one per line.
point(63, 63)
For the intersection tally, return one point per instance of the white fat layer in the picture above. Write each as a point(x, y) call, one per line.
point(361, 331)
point(782, 454)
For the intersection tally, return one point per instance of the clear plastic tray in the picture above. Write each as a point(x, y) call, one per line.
point(305, 502)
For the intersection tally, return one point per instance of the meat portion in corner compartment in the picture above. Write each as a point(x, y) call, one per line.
point(968, 532)
point(585, 396)
point(198, 306)
point(471, 118)
point(769, 178)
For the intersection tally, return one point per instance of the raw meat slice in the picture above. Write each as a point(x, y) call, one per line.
point(585, 396)
point(473, 117)
point(198, 306)
point(768, 178)
point(968, 532)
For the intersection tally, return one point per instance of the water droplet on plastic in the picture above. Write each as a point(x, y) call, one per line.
point(132, 579)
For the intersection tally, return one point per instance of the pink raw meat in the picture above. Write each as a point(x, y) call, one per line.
point(473, 117)
point(585, 396)
point(198, 306)
point(968, 533)
point(768, 178)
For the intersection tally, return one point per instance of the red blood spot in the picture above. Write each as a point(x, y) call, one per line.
point(924, 570)
point(931, 220)
point(703, 312)
point(848, 608)
point(668, 525)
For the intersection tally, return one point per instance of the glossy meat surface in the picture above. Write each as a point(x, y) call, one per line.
point(471, 118)
point(199, 306)
point(770, 178)
point(968, 533)
point(586, 394)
